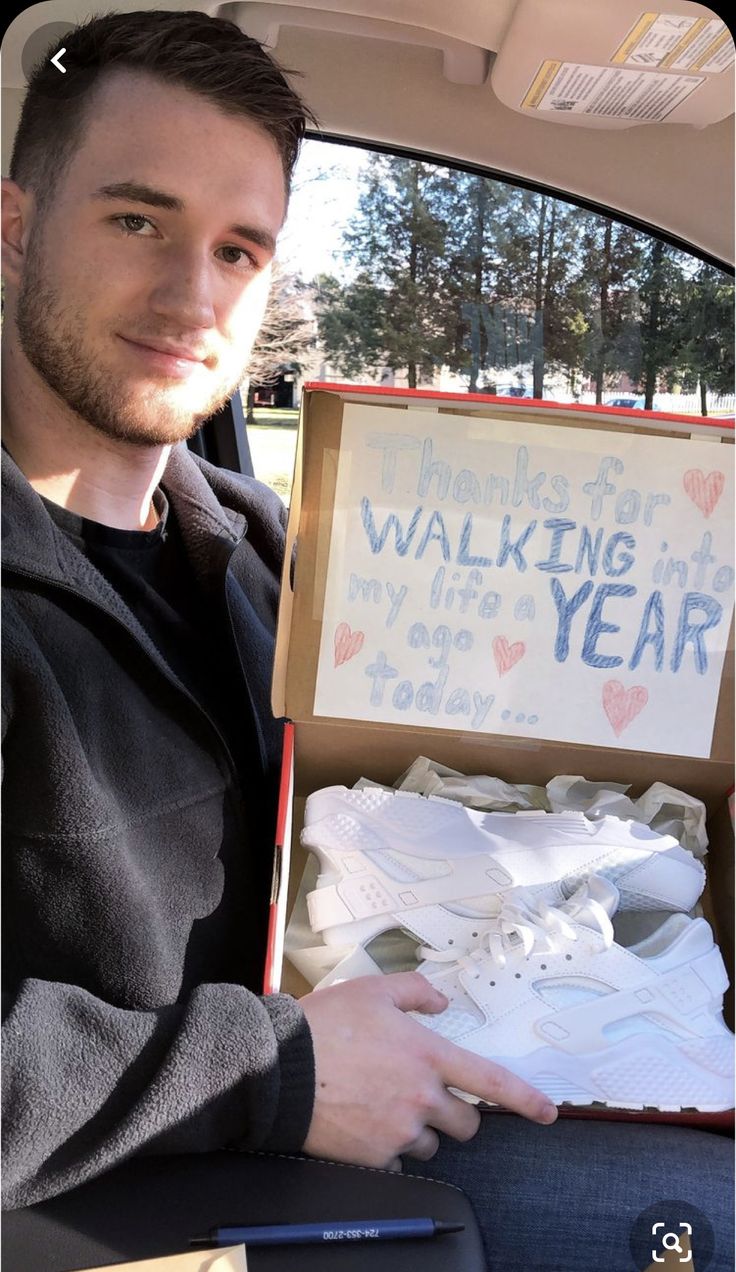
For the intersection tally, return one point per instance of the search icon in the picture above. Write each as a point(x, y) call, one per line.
point(672, 1233)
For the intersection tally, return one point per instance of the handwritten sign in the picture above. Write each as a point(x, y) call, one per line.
point(527, 579)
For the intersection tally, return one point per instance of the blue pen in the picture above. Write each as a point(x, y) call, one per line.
point(326, 1233)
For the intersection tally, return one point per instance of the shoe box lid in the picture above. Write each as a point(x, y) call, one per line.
point(544, 588)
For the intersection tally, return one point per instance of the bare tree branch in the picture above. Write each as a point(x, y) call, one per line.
point(288, 331)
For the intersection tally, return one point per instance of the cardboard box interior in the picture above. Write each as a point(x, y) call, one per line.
point(329, 751)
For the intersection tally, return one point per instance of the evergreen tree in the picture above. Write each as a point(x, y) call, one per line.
point(654, 358)
point(351, 323)
point(535, 275)
point(611, 259)
point(473, 211)
point(458, 270)
point(707, 332)
point(391, 312)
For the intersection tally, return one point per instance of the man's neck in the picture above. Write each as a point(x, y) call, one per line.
point(68, 462)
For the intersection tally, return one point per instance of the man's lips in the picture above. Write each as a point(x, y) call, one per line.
point(169, 359)
point(184, 352)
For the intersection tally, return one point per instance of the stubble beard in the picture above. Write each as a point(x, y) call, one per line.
point(53, 339)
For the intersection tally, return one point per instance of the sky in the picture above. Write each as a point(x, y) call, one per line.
point(324, 195)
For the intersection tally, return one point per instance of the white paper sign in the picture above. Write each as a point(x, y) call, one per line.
point(527, 579)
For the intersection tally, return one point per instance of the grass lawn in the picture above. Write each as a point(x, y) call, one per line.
point(276, 415)
point(272, 447)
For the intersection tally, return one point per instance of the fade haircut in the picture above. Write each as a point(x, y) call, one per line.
point(208, 56)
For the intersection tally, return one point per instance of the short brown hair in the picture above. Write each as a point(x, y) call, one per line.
point(208, 56)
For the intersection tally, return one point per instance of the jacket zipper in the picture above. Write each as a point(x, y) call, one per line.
point(259, 738)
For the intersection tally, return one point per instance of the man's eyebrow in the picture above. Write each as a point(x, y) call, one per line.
point(137, 192)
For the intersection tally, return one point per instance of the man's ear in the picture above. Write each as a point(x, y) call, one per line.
point(17, 215)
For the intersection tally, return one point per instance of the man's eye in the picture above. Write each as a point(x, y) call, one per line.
point(133, 222)
point(239, 256)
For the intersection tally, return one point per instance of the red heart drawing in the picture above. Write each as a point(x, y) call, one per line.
point(347, 643)
point(621, 705)
point(704, 491)
point(507, 655)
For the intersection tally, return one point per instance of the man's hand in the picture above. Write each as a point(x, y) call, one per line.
point(382, 1078)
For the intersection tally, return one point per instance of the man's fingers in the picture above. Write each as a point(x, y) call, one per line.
point(424, 1146)
point(452, 1116)
point(410, 991)
point(494, 1084)
point(456, 1117)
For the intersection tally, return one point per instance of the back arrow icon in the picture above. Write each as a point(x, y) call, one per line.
point(56, 62)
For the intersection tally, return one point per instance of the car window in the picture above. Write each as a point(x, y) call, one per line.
point(400, 272)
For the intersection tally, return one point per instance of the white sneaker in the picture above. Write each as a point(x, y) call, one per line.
point(553, 998)
point(394, 860)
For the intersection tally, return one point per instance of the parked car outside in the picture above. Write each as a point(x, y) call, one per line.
point(633, 403)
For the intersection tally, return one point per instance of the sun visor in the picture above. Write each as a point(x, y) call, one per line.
point(630, 66)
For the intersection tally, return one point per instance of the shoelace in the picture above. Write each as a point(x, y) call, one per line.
point(524, 923)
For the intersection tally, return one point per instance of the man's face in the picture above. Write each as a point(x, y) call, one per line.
point(141, 316)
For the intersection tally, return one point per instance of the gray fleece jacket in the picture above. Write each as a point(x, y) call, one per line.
point(126, 1026)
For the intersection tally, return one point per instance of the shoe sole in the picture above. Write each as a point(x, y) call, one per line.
point(635, 1074)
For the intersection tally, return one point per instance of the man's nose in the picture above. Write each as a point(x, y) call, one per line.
point(185, 290)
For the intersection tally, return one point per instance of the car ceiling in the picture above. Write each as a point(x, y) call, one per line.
point(448, 79)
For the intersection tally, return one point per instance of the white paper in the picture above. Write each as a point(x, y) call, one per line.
point(711, 51)
point(226, 1259)
point(612, 91)
point(526, 579)
point(654, 37)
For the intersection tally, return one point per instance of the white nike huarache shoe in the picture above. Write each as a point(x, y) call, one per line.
point(549, 995)
point(394, 861)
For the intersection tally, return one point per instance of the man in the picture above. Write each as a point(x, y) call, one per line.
point(139, 226)
point(140, 590)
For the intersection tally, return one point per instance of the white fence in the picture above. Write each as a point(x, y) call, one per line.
point(555, 388)
point(679, 403)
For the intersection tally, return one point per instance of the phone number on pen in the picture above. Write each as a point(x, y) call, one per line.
point(349, 1234)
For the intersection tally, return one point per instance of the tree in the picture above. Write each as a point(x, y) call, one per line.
point(351, 322)
point(390, 312)
point(537, 267)
point(611, 257)
point(472, 210)
point(707, 332)
point(655, 356)
point(286, 335)
point(459, 270)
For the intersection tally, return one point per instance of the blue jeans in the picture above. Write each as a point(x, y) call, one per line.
point(564, 1198)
